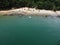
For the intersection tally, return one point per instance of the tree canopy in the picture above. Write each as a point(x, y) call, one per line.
point(39, 4)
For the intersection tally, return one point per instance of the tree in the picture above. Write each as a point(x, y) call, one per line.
point(40, 4)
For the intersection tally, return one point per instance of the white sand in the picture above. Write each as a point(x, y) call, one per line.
point(58, 13)
point(31, 11)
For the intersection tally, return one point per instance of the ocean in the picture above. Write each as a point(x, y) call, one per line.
point(36, 30)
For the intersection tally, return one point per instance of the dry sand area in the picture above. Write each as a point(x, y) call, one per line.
point(30, 11)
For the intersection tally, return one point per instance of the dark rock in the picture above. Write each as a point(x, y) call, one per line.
point(46, 16)
point(58, 16)
point(10, 14)
point(5, 15)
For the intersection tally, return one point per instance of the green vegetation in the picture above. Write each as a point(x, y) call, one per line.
point(39, 4)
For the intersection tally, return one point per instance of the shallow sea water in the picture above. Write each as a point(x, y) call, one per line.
point(36, 30)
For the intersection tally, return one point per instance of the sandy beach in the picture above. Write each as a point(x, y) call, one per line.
point(30, 11)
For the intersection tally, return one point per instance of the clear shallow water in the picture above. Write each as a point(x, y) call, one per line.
point(37, 30)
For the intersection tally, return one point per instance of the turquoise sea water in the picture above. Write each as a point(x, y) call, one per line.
point(37, 30)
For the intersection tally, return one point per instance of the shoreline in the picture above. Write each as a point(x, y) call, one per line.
point(30, 11)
